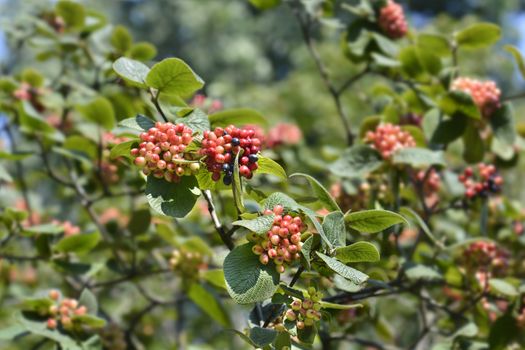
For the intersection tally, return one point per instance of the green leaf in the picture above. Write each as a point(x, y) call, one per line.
point(170, 198)
point(197, 120)
point(133, 72)
point(411, 214)
point(455, 102)
point(82, 145)
point(438, 44)
point(139, 222)
point(478, 35)
point(99, 111)
point(15, 156)
point(307, 249)
point(121, 38)
point(418, 157)
point(260, 225)
point(417, 272)
point(142, 51)
point(79, 243)
point(517, 57)
point(215, 277)
point(247, 280)
point(473, 146)
point(283, 340)
point(448, 130)
point(265, 4)
point(32, 77)
point(122, 149)
point(4, 174)
point(372, 221)
point(269, 166)
point(46, 229)
point(174, 76)
point(72, 13)
point(347, 272)
point(89, 321)
point(502, 287)
point(504, 129)
point(334, 228)
point(38, 305)
point(357, 161)
point(140, 123)
point(322, 195)
point(208, 303)
point(262, 336)
point(357, 252)
point(89, 300)
point(502, 332)
point(307, 334)
point(416, 62)
point(279, 198)
point(11, 332)
point(327, 305)
point(40, 328)
point(236, 116)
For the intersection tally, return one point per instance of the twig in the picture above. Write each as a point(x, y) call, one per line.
point(226, 239)
point(155, 100)
point(305, 26)
point(295, 277)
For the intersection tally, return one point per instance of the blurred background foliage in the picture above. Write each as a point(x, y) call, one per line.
point(249, 57)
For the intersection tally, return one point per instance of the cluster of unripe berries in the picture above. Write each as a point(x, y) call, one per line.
point(486, 182)
point(162, 152)
point(63, 311)
point(389, 138)
point(392, 20)
point(187, 263)
point(485, 94)
point(484, 255)
point(282, 243)
point(432, 181)
point(68, 227)
point(221, 146)
point(307, 311)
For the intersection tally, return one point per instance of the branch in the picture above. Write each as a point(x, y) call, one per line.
point(226, 239)
point(304, 24)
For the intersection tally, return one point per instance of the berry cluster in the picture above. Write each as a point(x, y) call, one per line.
point(307, 311)
point(432, 181)
point(162, 152)
point(389, 138)
point(284, 134)
point(187, 263)
point(68, 227)
point(206, 104)
point(488, 181)
point(221, 146)
point(483, 254)
point(63, 311)
point(485, 94)
point(282, 243)
point(392, 20)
